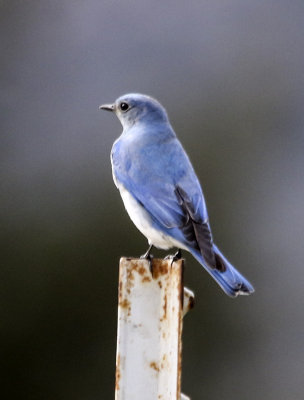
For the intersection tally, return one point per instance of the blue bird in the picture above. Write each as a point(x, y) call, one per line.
point(161, 191)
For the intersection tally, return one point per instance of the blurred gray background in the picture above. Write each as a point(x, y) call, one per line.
point(231, 75)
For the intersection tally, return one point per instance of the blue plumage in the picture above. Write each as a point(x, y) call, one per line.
point(160, 189)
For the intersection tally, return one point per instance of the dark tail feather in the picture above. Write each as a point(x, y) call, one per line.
point(230, 280)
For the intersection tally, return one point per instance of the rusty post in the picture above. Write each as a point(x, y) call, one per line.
point(150, 311)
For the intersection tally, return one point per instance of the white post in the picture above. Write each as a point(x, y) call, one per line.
point(150, 311)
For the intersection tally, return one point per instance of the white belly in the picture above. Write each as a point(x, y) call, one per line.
point(143, 222)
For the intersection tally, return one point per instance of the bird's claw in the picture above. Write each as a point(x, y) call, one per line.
point(175, 257)
point(149, 257)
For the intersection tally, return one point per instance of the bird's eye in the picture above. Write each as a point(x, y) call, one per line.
point(124, 106)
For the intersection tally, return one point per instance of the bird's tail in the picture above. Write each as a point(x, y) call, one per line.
point(230, 280)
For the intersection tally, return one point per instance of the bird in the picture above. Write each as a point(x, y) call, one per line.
point(160, 190)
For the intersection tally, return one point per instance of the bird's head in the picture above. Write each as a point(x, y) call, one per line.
point(136, 108)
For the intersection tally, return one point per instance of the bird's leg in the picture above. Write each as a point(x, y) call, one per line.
point(177, 256)
point(147, 253)
point(149, 257)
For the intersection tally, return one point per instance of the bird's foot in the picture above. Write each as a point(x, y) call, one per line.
point(175, 257)
point(148, 256)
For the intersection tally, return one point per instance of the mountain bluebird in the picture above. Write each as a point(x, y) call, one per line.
point(160, 190)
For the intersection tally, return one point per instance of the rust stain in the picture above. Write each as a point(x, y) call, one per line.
point(120, 291)
point(141, 270)
point(154, 366)
point(130, 275)
point(131, 266)
point(125, 303)
point(160, 267)
point(160, 284)
point(146, 279)
point(165, 307)
point(136, 265)
point(117, 374)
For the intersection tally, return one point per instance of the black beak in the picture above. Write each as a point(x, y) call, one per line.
point(107, 107)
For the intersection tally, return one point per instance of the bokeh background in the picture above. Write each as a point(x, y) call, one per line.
point(231, 75)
